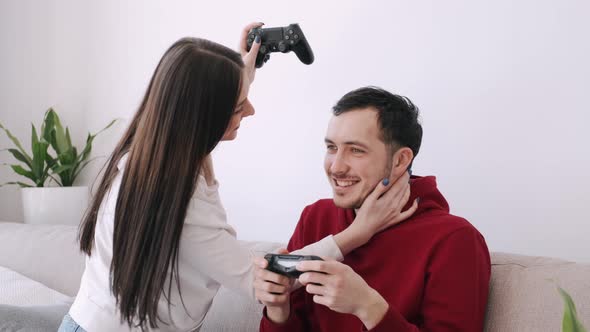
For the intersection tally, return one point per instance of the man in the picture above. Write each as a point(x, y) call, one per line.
point(429, 273)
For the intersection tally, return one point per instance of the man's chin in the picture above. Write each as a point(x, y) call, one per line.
point(347, 203)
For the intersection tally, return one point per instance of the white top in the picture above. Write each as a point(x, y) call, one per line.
point(209, 256)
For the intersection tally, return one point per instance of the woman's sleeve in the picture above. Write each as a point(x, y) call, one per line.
point(217, 253)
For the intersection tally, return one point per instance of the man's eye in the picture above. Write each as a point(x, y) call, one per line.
point(331, 147)
point(355, 150)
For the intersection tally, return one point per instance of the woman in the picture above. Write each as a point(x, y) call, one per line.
point(156, 238)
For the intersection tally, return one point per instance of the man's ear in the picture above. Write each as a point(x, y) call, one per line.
point(402, 159)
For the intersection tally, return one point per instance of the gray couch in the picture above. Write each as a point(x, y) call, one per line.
point(523, 295)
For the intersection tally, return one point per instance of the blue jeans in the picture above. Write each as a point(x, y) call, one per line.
point(69, 325)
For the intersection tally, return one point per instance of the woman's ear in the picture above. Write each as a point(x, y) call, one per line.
point(402, 159)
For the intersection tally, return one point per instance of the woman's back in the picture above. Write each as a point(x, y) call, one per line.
point(203, 247)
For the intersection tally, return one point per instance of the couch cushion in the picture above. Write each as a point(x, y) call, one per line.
point(16, 289)
point(524, 296)
point(31, 319)
point(46, 253)
point(232, 312)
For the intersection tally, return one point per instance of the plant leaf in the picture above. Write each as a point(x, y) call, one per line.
point(48, 124)
point(62, 168)
point(570, 316)
point(16, 142)
point(21, 171)
point(87, 149)
point(59, 137)
point(34, 137)
point(50, 160)
point(19, 156)
point(68, 157)
point(68, 139)
point(83, 166)
point(23, 185)
point(105, 128)
point(39, 157)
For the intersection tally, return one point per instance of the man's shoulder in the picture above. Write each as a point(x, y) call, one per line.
point(442, 225)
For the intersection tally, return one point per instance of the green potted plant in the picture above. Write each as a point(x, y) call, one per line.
point(570, 323)
point(53, 160)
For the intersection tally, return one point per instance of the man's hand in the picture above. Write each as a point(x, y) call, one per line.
point(249, 57)
point(338, 287)
point(272, 290)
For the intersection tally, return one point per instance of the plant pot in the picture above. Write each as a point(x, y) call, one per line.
point(55, 205)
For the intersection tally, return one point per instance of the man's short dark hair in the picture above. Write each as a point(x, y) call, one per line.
point(398, 116)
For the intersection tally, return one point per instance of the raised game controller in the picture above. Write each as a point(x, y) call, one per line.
point(289, 38)
point(285, 264)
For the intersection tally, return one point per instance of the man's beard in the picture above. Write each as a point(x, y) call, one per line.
point(359, 202)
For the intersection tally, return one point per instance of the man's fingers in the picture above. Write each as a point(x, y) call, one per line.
point(318, 266)
point(272, 277)
point(282, 251)
point(323, 300)
point(315, 289)
point(272, 299)
point(269, 287)
point(260, 262)
point(244, 37)
point(314, 278)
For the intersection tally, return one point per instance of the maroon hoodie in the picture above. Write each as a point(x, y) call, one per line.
point(433, 269)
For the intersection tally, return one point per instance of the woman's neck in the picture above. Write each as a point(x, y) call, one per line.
point(208, 170)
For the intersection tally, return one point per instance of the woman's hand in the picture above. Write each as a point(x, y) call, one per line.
point(383, 207)
point(380, 210)
point(249, 57)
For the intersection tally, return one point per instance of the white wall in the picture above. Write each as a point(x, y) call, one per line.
point(502, 88)
point(42, 51)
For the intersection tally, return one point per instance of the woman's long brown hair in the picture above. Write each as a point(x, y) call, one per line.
point(183, 116)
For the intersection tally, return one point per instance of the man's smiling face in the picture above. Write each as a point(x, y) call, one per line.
point(356, 158)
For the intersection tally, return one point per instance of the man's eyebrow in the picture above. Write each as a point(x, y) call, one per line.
point(357, 143)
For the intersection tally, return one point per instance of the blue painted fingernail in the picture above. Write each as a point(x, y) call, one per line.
point(410, 172)
point(257, 39)
point(418, 200)
point(385, 181)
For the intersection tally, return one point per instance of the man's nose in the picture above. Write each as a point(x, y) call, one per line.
point(339, 164)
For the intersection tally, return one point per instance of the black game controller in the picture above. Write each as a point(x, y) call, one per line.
point(289, 38)
point(285, 264)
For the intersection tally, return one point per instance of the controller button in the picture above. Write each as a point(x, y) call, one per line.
point(290, 31)
point(296, 36)
point(292, 41)
point(287, 37)
point(262, 49)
